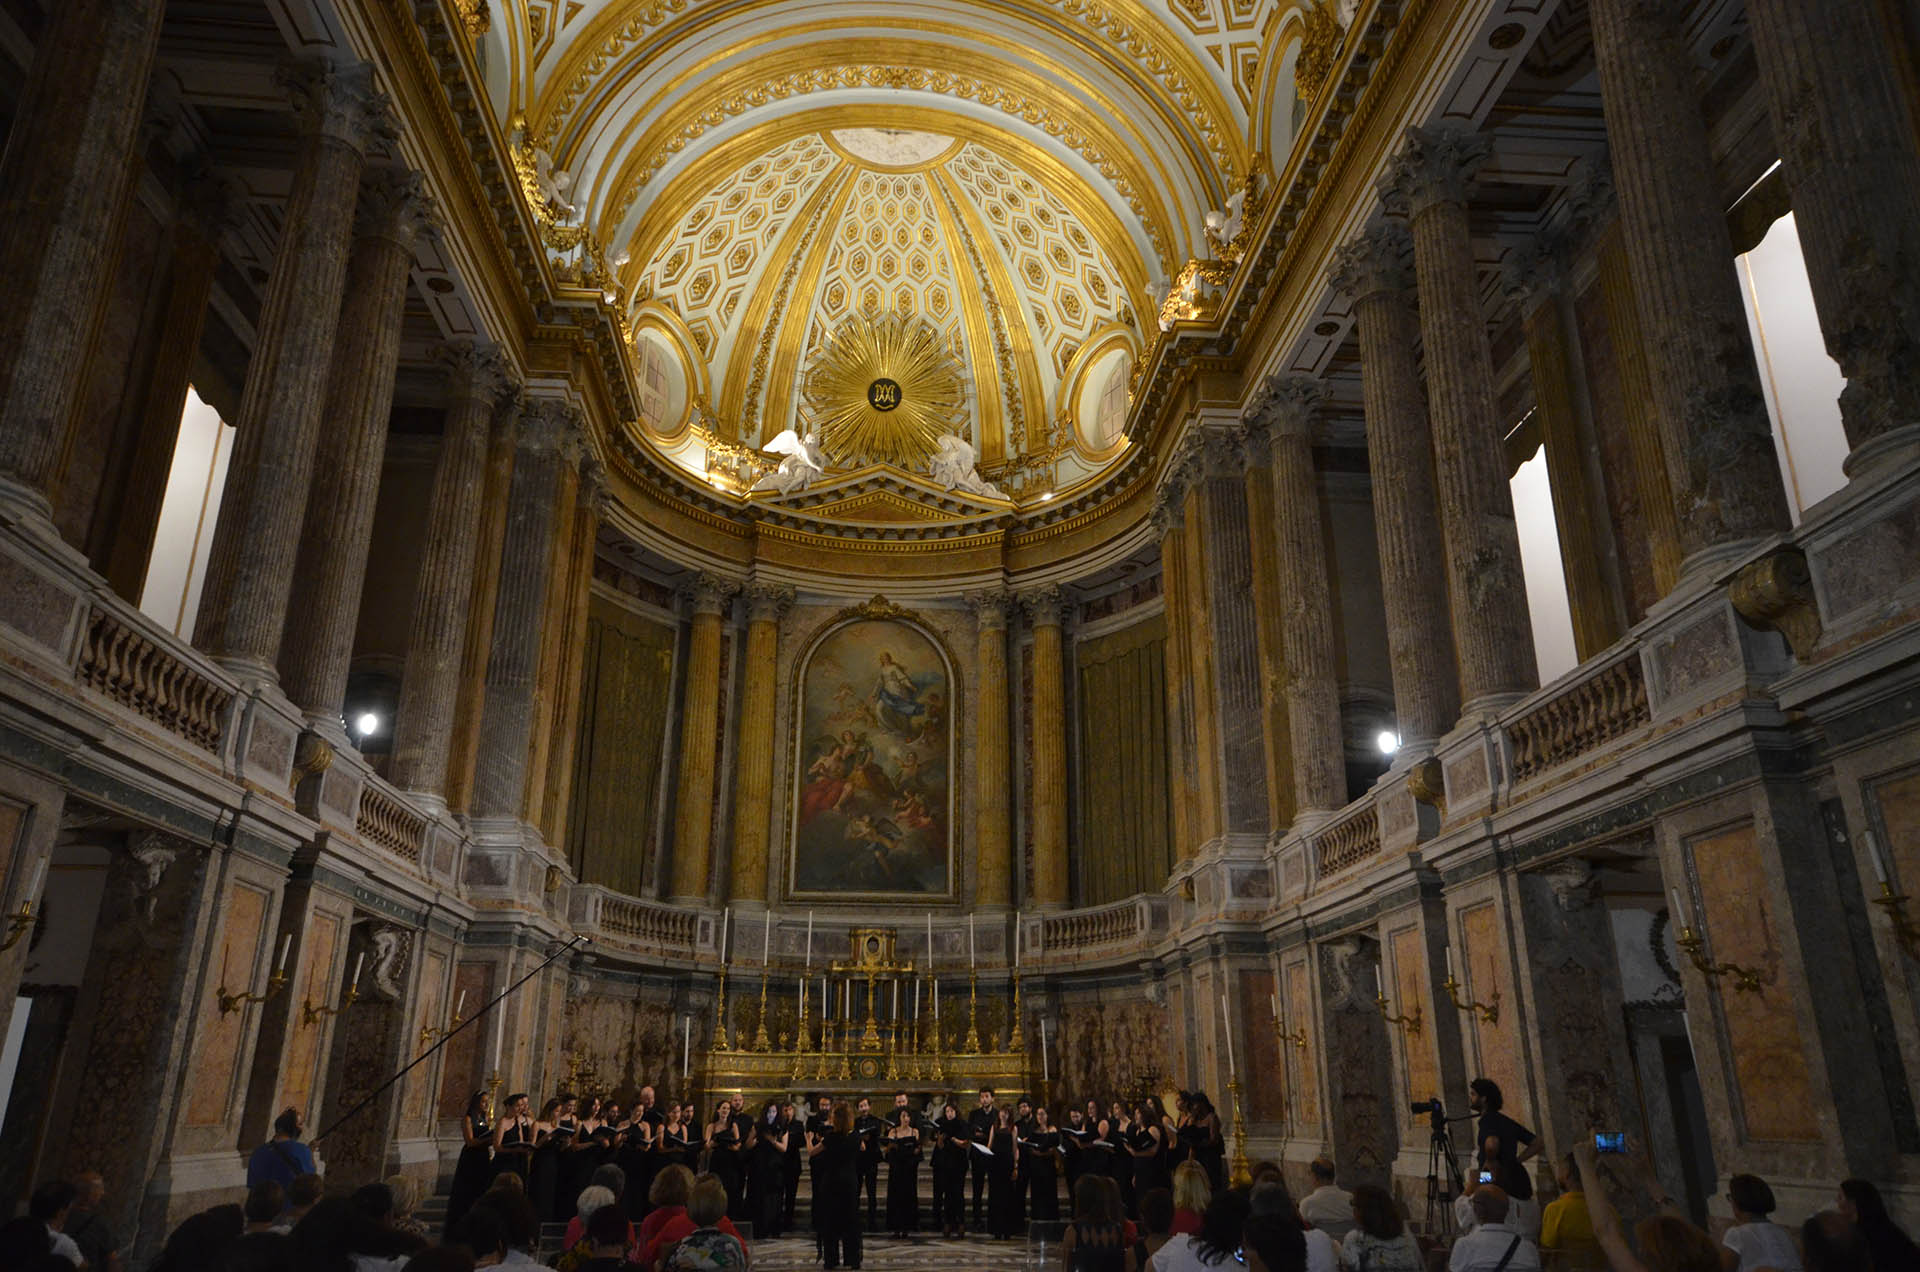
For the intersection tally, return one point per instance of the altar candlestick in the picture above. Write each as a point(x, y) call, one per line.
point(916, 1000)
point(286, 943)
point(826, 1003)
point(1226, 1027)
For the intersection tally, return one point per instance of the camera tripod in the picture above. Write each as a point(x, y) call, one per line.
point(1440, 1196)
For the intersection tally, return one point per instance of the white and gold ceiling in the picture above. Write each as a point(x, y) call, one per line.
point(1022, 176)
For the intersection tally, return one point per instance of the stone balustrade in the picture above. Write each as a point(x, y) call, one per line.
point(1101, 927)
point(631, 921)
point(388, 820)
point(1595, 704)
point(1347, 840)
point(144, 671)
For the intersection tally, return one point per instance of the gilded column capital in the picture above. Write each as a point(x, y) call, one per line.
point(475, 371)
point(990, 608)
point(1435, 165)
point(709, 593)
point(1287, 405)
point(768, 602)
point(1045, 606)
point(394, 205)
point(339, 101)
point(1378, 260)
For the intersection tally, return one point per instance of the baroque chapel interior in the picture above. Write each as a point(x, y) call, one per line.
point(1309, 550)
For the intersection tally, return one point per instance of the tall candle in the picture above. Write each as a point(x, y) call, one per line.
point(1273, 1001)
point(895, 1015)
point(1873, 856)
point(1226, 1027)
point(459, 1004)
point(846, 1003)
point(286, 943)
point(726, 918)
point(825, 1002)
point(936, 998)
point(970, 945)
point(1678, 913)
point(929, 940)
point(1376, 982)
point(809, 962)
point(1046, 1070)
point(358, 965)
point(499, 1033)
point(1016, 940)
point(916, 1000)
point(766, 941)
point(39, 877)
point(1449, 950)
point(686, 1046)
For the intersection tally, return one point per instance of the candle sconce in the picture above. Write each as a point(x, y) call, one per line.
point(1745, 979)
point(234, 1002)
point(1409, 1025)
point(309, 1014)
point(1904, 931)
point(1489, 1012)
point(428, 1033)
point(1297, 1038)
point(18, 925)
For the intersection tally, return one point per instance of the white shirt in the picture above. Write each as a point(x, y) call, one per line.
point(1482, 1249)
point(1762, 1245)
point(1323, 1252)
point(63, 1245)
point(1330, 1208)
point(1178, 1256)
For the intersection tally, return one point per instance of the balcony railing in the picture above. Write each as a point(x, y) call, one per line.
point(632, 920)
point(141, 673)
point(1608, 701)
point(1348, 840)
point(1115, 924)
point(386, 820)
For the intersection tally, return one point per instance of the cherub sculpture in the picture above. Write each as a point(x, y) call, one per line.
point(953, 467)
point(803, 461)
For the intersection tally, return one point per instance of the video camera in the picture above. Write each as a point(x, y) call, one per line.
point(1423, 1108)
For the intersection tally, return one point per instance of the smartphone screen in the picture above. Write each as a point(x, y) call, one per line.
point(1609, 1141)
point(1486, 1176)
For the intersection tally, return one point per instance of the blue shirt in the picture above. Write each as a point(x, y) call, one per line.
point(279, 1161)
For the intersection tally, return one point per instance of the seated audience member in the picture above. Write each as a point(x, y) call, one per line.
point(1328, 1207)
point(1191, 1193)
point(1379, 1240)
point(1095, 1240)
point(668, 1197)
point(201, 1241)
point(1219, 1239)
point(576, 1245)
point(263, 1205)
point(687, 1222)
point(1668, 1242)
point(259, 1250)
point(406, 1196)
point(1566, 1228)
point(87, 1225)
point(1274, 1238)
point(609, 1236)
point(1834, 1243)
point(1755, 1241)
point(1493, 1245)
point(510, 1206)
point(24, 1242)
point(1893, 1250)
point(1156, 1221)
point(303, 1194)
point(340, 1232)
point(481, 1234)
point(51, 1203)
point(712, 1245)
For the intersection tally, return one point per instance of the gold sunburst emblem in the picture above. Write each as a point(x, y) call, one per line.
point(884, 389)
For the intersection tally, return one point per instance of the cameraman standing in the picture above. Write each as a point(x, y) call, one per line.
point(1503, 1145)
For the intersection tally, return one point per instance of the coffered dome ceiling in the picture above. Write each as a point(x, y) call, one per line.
point(745, 179)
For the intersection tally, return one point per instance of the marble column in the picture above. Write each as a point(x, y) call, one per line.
point(243, 607)
point(1714, 428)
point(463, 746)
point(1536, 278)
point(590, 503)
point(331, 566)
point(1850, 152)
point(1169, 519)
point(430, 684)
point(1289, 405)
point(1269, 605)
point(767, 603)
point(553, 634)
point(1486, 589)
point(133, 513)
point(1362, 1108)
point(549, 441)
point(1240, 790)
point(993, 761)
point(1046, 612)
point(1196, 604)
point(699, 741)
point(1426, 695)
point(63, 180)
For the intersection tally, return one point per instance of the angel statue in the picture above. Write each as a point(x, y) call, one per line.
point(803, 462)
point(953, 467)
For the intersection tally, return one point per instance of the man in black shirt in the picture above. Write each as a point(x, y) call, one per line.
point(867, 1128)
point(1503, 1144)
point(819, 1121)
point(980, 1122)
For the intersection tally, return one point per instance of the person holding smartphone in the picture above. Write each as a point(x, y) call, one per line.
point(1503, 1145)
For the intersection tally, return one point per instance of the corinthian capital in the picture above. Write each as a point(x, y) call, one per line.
point(338, 101)
point(394, 204)
point(1434, 166)
point(768, 602)
point(475, 371)
point(1288, 406)
point(990, 608)
point(1378, 261)
point(551, 426)
point(1045, 606)
point(709, 593)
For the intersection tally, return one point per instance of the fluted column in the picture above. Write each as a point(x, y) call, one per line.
point(463, 746)
point(250, 572)
point(547, 687)
point(1536, 278)
point(1487, 591)
point(993, 763)
point(1045, 610)
point(767, 603)
point(590, 504)
point(1269, 601)
point(1319, 777)
point(1851, 155)
point(1169, 519)
point(133, 517)
point(1426, 694)
point(331, 566)
point(1714, 429)
point(63, 180)
point(699, 721)
point(549, 441)
point(430, 685)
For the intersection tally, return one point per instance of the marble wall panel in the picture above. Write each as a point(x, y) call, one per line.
point(628, 1044)
point(314, 981)
point(1303, 1077)
point(369, 1047)
point(216, 1072)
point(1773, 1096)
point(1359, 1064)
point(1897, 800)
point(1497, 1046)
point(1106, 1048)
point(435, 1009)
point(1261, 1068)
point(13, 819)
point(1419, 1067)
point(463, 1060)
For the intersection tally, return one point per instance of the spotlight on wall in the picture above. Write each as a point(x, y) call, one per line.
point(1388, 742)
point(366, 724)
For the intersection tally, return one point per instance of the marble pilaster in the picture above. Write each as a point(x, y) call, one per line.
point(1289, 405)
point(1373, 270)
point(753, 782)
point(63, 181)
point(463, 746)
point(554, 620)
point(1169, 519)
point(699, 720)
point(1268, 607)
point(331, 565)
point(549, 436)
point(993, 764)
point(1361, 1106)
point(1536, 277)
point(1486, 588)
point(1239, 740)
point(1714, 429)
point(430, 684)
point(243, 607)
point(1850, 152)
point(1045, 609)
point(589, 508)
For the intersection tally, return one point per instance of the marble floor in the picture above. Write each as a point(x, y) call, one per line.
point(884, 1254)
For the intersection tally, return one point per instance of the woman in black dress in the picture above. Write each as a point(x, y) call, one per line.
point(1147, 1149)
point(473, 1173)
point(1003, 1175)
point(723, 1153)
point(903, 1175)
point(513, 1138)
point(836, 1206)
point(543, 1171)
point(1096, 1149)
point(952, 1142)
point(1120, 1135)
point(1209, 1148)
point(1039, 1158)
point(769, 1171)
point(675, 1143)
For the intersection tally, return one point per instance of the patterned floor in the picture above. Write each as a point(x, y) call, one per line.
point(884, 1254)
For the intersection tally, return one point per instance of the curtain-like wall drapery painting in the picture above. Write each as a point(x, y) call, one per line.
point(1125, 844)
point(626, 687)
